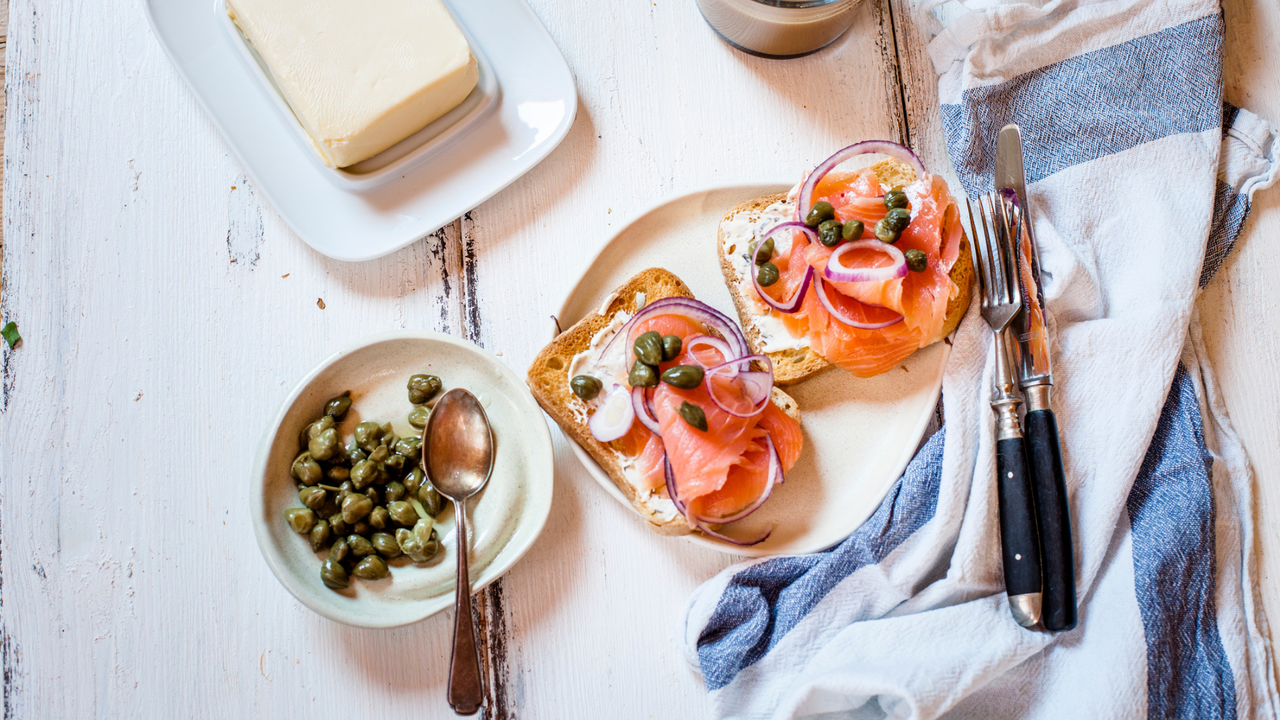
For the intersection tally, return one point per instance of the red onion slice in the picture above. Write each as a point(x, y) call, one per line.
point(644, 413)
point(692, 343)
point(702, 527)
point(821, 289)
point(804, 201)
point(613, 418)
point(775, 472)
point(837, 271)
point(739, 390)
point(685, 307)
point(671, 486)
point(797, 299)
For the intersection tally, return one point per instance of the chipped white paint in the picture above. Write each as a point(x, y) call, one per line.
point(166, 310)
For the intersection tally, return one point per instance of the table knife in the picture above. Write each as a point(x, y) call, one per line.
point(1035, 377)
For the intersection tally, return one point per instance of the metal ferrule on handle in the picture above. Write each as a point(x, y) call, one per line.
point(1005, 401)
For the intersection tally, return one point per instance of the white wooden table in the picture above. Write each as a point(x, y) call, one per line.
point(166, 311)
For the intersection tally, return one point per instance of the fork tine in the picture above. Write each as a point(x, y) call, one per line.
point(1010, 246)
point(976, 251)
point(999, 287)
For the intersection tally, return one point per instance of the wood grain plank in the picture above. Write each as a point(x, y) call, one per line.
point(1239, 309)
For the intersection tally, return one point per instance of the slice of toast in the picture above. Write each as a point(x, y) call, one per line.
point(794, 365)
point(549, 380)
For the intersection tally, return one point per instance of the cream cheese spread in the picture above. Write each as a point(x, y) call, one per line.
point(740, 233)
point(360, 76)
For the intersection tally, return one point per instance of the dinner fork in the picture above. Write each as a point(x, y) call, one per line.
point(1001, 300)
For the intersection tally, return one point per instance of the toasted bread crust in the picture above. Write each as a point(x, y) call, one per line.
point(796, 365)
point(548, 378)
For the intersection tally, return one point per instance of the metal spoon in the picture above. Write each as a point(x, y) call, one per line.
point(457, 456)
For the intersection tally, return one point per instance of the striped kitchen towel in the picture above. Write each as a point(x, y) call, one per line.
point(1132, 162)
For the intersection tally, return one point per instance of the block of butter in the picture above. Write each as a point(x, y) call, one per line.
point(360, 76)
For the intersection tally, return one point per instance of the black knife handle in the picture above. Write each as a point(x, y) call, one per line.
point(1049, 483)
point(1019, 537)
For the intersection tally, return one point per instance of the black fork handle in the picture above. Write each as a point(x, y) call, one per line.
point(1048, 480)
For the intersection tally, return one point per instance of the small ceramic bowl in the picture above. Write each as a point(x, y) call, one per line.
point(505, 518)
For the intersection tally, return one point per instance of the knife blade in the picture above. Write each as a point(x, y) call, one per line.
point(1035, 377)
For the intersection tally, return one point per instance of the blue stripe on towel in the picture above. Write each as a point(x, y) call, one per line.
point(1230, 210)
point(765, 601)
point(1093, 105)
point(1171, 511)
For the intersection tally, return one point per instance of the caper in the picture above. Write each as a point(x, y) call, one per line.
point(917, 261)
point(313, 497)
point(886, 233)
point(671, 345)
point(324, 445)
point(385, 545)
point(337, 408)
point(648, 348)
point(333, 574)
point(364, 473)
point(384, 430)
point(372, 494)
point(379, 518)
point(642, 375)
point(585, 386)
point(895, 199)
point(319, 426)
point(764, 251)
point(354, 453)
point(430, 500)
point(821, 210)
point(829, 232)
point(413, 480)
point(898, 218)
point(395, 465)
point(410, 545)
point(693, 415)
point(345, 489)
point(355, 507)
point(338, 525)
point(422, 388)
point(371, 568)
point(420, 543)
point(767, 274)
point(418, 416)
point(306, 469)
point(685, 377)
point(338, 473)
point(395, 491)
point(360, 545)
point(300, 519)
point(367, 434)
point(403, 513)
point(410, 447)
point(320, 535)
point(379, 455)
point(852, 230)
point(340, 550)
point(362, 528)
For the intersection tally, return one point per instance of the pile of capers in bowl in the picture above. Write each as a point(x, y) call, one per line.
point(366, 502)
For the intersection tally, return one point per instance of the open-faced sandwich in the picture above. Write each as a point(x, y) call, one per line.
point(853, 268)
point(664, 392)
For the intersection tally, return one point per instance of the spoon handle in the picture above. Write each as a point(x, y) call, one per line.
point(466, 686)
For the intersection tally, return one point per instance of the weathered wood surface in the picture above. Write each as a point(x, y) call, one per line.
point(166, 311)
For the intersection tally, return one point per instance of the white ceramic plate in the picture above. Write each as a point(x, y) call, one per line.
point(859, 433)
point(506, 517)
point(523, 107)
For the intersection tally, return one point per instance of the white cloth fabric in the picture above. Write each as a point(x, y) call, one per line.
point(1133, 163)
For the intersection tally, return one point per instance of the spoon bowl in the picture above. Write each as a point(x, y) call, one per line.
point(457, 446)
point(457, 456)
